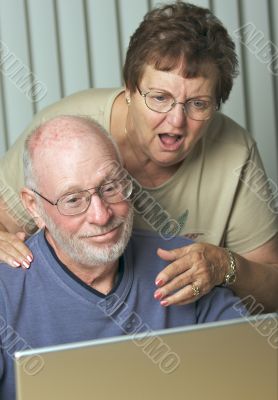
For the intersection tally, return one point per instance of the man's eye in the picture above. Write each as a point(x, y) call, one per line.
point(73, 200)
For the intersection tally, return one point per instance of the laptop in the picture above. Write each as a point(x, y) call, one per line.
point(236, 359)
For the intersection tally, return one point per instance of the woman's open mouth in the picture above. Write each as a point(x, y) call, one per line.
point(171, 142)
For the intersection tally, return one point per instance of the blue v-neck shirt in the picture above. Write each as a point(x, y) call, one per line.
point(48, 305)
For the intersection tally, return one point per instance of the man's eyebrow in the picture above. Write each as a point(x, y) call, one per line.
point(68, 190)
point(112, 174)
point(77, 188)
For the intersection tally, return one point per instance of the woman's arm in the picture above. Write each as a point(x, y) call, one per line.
point(206, 265)
point(258, 276)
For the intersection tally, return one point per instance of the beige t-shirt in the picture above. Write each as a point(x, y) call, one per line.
point(220, 193)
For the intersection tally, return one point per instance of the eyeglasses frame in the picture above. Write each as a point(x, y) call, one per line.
point(144, 95)
point(96, 191)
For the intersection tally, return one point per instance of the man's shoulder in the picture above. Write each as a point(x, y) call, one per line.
point(11, 284)
point(220, 304)
point(10, 276)
point(148, 239)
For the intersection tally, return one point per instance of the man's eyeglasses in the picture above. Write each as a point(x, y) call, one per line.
point(79, 202)
point(199, 109)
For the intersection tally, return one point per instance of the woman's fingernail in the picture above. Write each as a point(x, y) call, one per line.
point(164, 303)
point(25, 264)
point(29, 258)
point(158, 295)
point(16, 264)
point(159, 282)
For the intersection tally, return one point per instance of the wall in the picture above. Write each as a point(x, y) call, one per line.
point(51, 48)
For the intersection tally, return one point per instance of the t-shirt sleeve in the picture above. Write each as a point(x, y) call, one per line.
point(11, 181)
point(253, 218)
point(219, 305)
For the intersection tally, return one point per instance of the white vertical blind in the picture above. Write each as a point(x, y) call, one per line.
point(259, 84)
point(3, 143)
point(104, 44)
point(44, 49)
point(70, 45)
point(227, 12)
point(131, 14)
point(15, 61)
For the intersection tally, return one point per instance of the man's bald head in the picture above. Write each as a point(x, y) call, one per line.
point(61, 137)
point(69, 162)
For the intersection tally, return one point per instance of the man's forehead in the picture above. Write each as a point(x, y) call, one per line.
point(110, 168)
point(74, 152)
point(77, 177)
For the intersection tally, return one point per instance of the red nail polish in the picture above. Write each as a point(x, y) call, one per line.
point(158, 296)
point(159, 282)
point(164, 303)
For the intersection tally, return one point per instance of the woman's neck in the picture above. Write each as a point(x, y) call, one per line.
point(141, 167)
point(146, 171)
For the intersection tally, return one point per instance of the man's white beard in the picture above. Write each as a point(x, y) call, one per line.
point(82, 251)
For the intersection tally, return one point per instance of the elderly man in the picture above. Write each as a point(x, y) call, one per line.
point(83, 283)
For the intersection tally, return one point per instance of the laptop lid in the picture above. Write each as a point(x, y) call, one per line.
point(235, 359)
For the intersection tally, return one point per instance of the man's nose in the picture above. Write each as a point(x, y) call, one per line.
point(99, 212)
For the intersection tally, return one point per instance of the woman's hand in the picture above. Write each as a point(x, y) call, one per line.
point(193, 272)
point(13, 251)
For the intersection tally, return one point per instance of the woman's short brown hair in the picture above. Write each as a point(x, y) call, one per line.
point(185, 35)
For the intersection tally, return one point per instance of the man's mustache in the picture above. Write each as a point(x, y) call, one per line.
point(101, 230)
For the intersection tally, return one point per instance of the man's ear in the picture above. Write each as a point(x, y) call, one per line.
point(29, 201)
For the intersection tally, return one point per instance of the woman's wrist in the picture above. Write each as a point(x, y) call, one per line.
point(231, 271)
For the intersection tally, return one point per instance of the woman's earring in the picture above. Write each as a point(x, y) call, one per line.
point(127, 100)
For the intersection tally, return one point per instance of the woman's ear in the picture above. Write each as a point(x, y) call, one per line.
point(29, 201)
point(127, 96)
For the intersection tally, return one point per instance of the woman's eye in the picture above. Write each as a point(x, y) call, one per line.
point(160, 97)
point(108, 188)
point(200, 104)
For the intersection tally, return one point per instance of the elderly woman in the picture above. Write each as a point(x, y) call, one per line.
point(193, 167)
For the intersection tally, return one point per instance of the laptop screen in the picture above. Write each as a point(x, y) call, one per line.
point(234, 359)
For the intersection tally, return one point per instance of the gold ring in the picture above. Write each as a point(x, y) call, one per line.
point(196, 290)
